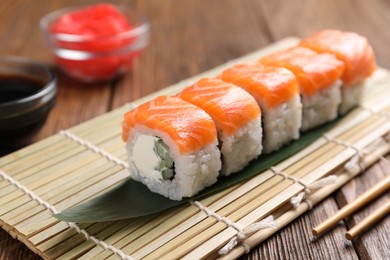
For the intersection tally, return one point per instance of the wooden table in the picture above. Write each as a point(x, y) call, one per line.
point(188, 37)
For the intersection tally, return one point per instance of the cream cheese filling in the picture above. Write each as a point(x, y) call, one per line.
point(145, 158)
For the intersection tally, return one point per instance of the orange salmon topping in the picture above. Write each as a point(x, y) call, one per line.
point(187, 125)
point(314, 71)
point(351, 48)
point(269, 85)
point(230, 106)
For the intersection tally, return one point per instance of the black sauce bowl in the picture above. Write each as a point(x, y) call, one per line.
point(20, 115)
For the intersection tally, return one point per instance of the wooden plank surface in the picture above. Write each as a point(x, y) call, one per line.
point(188, 37)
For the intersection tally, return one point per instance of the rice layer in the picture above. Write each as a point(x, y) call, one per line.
point(193, 171)
point(281, 124)
point(351, 97)
point(321, 107)
point(242, 147)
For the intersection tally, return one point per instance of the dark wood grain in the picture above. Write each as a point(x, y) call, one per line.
point(295, 241)
point(304, 17)
point(11, 249)
point(189, 37)
point(374, 243)
point(182, 47)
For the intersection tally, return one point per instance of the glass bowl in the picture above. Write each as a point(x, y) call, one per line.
point(27, 94)
point(91, 58)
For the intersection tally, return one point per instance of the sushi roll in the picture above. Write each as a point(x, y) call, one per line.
point(237, 118)
point(318, 76)
point(357, 55)
point(172, 147)
point(276, 92)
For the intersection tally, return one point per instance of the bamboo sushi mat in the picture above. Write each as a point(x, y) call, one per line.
point(89, 159)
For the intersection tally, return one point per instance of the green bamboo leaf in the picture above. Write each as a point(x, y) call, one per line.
point(132, 199)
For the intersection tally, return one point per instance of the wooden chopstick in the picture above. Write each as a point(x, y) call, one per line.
point(362, 200)
point(368, 221)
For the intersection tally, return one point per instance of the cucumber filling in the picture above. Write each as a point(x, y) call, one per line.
point(152, 159)
point(166, 165)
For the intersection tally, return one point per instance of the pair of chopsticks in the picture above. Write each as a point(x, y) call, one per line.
point(380, 188)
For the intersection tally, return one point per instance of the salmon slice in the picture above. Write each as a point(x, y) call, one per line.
point(269, 85)
point(237, 117)
point(230, 106)
point(276, 92)
point(314, 71)
point(351, 48)
point(188, 126)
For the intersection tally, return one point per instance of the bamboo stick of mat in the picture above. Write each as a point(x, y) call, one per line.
point(369, 221)
point(352, 207)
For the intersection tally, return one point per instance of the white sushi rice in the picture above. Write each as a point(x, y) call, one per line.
point(281, 124)
point(193, 171)
point(351, 96)
point(321, 107)
point(242, 147)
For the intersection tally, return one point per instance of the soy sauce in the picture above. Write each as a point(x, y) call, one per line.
point(13, 88)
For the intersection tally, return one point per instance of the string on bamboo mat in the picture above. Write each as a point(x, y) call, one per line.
point(357, 159)
point(386, 137)
point(295, 201)
point(242, 234)
point(370, 149)
point(373, 112)
point(94, 148)
point(240, 237)
point(215, 215)
point(308, 188)
point(53, 210)
point(380, 141)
